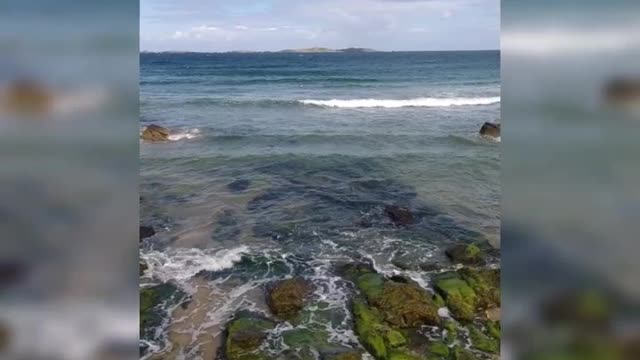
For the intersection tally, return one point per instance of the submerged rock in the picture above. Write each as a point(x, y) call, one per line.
point(286, 298)
point(467, 254)
point(155, 133)
point(239, 185)
point(245, 335)
point(399, 215)
point(150, 298)
point(490, 129)
point(146, 231)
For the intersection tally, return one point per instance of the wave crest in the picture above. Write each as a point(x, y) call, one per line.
point(183, 264)
point(386, 103)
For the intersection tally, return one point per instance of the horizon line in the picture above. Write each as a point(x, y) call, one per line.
point(307, 52)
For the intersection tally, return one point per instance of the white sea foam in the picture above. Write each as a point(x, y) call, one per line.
point(187, 134)
point(183, 264)
point(419, 102)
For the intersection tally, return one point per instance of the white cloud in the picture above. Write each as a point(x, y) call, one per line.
point(241, 27)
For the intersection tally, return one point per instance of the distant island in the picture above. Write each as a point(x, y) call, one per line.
point(328, 50)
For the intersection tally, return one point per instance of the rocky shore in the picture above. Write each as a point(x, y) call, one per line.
point(457, 317)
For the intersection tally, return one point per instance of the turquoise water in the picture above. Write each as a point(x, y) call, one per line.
point(282, 164)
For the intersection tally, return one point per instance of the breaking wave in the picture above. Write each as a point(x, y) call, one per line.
point(419, 102)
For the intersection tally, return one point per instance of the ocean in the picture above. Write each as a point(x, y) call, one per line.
point(282, 164)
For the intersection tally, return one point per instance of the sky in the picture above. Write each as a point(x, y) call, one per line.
point(271, 25)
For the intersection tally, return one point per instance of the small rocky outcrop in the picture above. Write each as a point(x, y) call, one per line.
point(490, 130)
point(155, 133)
point(245, 335)
point(146, 231)
point(399, 215)
point(467, 254)
point(286, 298)
point(151, 313)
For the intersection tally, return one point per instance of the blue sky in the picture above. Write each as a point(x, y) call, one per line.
point(261, 25)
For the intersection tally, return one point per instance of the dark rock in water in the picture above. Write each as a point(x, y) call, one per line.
point(150, 297)
point(621, 91)
point(239, 185)
point(468, 254)
point(155, 133)
point(146, 231)
point(245, 334)
point(490, 129)
point(399, 215)
point(286, 298)
point(428, 267)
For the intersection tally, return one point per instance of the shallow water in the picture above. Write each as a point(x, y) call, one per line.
point(281, 165)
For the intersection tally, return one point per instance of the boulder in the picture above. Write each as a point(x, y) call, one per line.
point(146, 231)
point(458, 295)
point(467, 254)
point(401, 304)
point(287, 297)
point(155, 133)
point(490, 129)
point(245, 335)
point(399, 215)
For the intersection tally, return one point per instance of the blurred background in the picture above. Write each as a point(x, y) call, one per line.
point(571, 195)
point(69, 179)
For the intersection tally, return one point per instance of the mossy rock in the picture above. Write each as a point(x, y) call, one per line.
point(286, 298)
point(458, 295)
point(467, 254)
point(374, 334)
point(245, 334)
point(303, 337)
point(402, 304)
point(400, 355)
point(438, 350)
point(460, 353)
point(452, 331)
point(485, 283)
point(483, 342)
point(493, 328)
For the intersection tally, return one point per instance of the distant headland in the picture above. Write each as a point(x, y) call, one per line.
point(303, 50)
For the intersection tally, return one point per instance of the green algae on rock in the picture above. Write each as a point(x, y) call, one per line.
point(374, 334)
point(485, 283)
point(460, 353)
point(458, 295)
point(401, 304)
point(244, 336)
point(483, 342)
point(467, 254)
point(286, 297)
